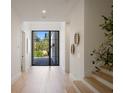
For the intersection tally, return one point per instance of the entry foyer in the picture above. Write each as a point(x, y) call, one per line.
point(59, 46)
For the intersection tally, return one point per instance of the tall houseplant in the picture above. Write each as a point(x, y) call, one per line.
point(104, 53)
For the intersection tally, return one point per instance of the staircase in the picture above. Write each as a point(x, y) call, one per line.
point(79, 87)
point(98, 82)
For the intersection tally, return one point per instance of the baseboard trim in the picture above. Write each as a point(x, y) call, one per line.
point(72, 77)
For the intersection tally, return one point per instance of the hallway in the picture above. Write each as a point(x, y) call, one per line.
point(42, 79)
point(78, 23)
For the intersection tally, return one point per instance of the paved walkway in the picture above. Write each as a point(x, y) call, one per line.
point(41, 60)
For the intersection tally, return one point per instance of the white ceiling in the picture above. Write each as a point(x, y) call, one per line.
point(31, 10)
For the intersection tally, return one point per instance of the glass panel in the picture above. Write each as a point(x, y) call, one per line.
point(40, 48)
point(54, 48)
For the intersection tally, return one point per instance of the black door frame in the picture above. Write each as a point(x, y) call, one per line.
point(49, 47)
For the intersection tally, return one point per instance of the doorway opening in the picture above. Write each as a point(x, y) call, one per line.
point(45, 48)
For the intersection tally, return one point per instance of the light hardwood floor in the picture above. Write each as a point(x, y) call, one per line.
point(42, 79)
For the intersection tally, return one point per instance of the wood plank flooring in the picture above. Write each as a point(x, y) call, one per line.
point(42, 79)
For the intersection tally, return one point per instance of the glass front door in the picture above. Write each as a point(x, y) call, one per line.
point(45, 48)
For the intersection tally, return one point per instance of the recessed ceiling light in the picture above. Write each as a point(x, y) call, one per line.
point(43, 11)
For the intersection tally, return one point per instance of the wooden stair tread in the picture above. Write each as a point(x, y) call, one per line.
point(82, 87)
point(104, 76)
point(71, 89)
point(106, 71)
point(104, 67)
point(98, 85)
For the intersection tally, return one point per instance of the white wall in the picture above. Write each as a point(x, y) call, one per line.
point(76, 24)
point(29, 26)
point(85, 19)
point(15, 47)
point(93, 33)
point(27, 62)
point(67, 47)
point(62, 45)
